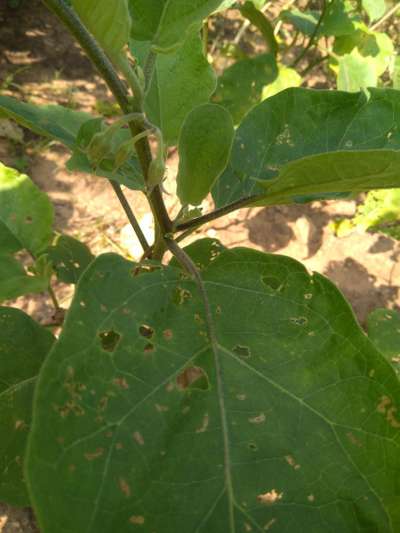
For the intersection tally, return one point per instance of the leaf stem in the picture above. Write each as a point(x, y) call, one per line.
point(217, 213)
point(387, 15)
point(130, 215)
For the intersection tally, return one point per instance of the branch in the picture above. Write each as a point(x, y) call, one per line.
point(313, 36)
point(95, 53)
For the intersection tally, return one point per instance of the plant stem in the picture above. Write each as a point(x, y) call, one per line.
point(130, 215)
point(313, 37)
point(70, 19)
point(387, 15)
point(53, 297)
point(199, 221)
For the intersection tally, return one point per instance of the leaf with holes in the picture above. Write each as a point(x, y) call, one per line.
point(181, 81)
point(268, 408)
point(25, 211)
point(69, 257)
point(205, 143)
point(298, 123)
point(23, 347)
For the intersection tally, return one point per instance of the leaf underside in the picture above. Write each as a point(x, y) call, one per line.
point(288, 422)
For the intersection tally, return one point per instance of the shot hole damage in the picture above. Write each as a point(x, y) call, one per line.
point(146, 331)
point(109, 340)
point(242, 351)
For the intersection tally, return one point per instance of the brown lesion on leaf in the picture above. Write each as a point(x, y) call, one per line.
point(149, 348)
point(268, 498)
point(353, 439)
point(161, 408)
point(193, 377)
point(121, 383)
point(20, 425)
point(91, 456)
point(124, 487)
point(138, 437)
point(257, 419)
point(137, 520)
point(180, 296)
point(386, 408)
point(119, 446)
point(204, 424)
point(311, 498)
point(292, 462)
point(167, 334)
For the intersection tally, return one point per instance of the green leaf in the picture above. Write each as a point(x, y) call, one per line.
point(166, 22)
point(109, 22)
point(181, 81)
point(383, 327)
point(14, 281)
point(241, 85)
point(298, 123)
point(70, 258)
point(25, 210)
point(53, 121)
point(8, 243)
point(23, 347)
point(205, 144)
point(287, 77)
point(341, 171)
point(288, 419)
point(303, 21)
point(356, 72)
point(375, 8)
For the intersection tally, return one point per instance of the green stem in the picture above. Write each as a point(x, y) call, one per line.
point(314, 35)
point(218, 213)
point(53, 297)
point(68, 16)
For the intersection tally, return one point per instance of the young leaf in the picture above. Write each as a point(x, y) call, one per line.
point(284, 414)
point(383, 327)
point(70, 258)
point(240, 86)
point(25, 210)
point(109, 22)
point(287, 77)
point(181, 81)
point(205, 143)
point(165, 22)
point(23, 347)
point(14, 281)
point(54, 121)
point(375, 8)
point(297, 123)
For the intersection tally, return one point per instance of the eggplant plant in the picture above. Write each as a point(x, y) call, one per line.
point(226, 390)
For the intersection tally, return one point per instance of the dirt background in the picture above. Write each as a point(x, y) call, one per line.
point(40, 63)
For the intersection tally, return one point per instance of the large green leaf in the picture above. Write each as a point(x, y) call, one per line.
point(15, 281)
point(8, 243)
point(23, 347)
point(109, 22)
point(384, 331)
point(166, 22)
point(297, 123)
point(181, 81)
point(25, 210)
point(286, 418)
point(240, 86)
point(205, 143)
point(53, 121)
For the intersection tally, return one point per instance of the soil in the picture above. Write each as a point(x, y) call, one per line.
point(39, 62)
